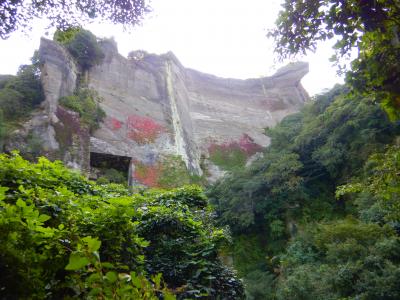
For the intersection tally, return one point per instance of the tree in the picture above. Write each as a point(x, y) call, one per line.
point(18, 14)
point(370, 26)
point(83, 46)
point(27, 82)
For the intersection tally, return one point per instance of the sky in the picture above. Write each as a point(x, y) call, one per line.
point(226, 38)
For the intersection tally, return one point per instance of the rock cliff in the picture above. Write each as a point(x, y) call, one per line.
point(155, 107)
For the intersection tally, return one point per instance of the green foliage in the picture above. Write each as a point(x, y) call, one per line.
point(33, 147)
point(370, 26)
point(2, 129)
point(259, 285)
point(28, 83)
point(377, 191)
point(12, 104)
point(66, 36)
point(19, 95)
point(62, 236)
point(174, 173)
point(248, 253)
point(342, 259)
point(4, 79)
point(112, 175)
point(104, 281)
point(86, 103)
point(64, 14)
point(82, 45)
point(281, 196)
point(228, 159)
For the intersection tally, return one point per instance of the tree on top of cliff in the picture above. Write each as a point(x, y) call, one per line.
point(372, 27)
point(18, 14)
point(82, 45)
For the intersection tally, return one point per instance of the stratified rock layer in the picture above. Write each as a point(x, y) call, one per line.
point(156, 107)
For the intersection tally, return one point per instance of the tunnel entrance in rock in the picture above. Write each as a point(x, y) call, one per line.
point(107, 168)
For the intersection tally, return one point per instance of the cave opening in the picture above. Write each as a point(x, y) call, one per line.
point(109, 168)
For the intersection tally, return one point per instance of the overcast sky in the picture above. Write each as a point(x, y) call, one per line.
point(223, 37)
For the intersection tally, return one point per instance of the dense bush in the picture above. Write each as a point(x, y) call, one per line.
point(86, 103)
point(12, 104)
point(62, 236)
point(2, 129)
point(19, 95)
point(27, 82)
point(83, 46)
point(112, 176)
point(357, 257)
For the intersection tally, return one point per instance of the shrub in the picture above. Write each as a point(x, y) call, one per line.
point(2, 130)
point(27, 82)
point(4, 79)
point(82, 45)
point(66, 36)
point(112, 175)
point(19, 95)
point(62, 236)
point(86, 103)
point(12, 104)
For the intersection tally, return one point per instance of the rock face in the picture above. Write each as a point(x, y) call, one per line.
point(157, 107)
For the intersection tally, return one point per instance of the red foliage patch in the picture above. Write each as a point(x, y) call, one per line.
point(143, 130)
point(245, 144)
point(113, 124)
point(147, 174)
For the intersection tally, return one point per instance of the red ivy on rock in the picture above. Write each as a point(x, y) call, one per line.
point(245, 144)
point(113, 124)
point(143, 130)
point(147, 175)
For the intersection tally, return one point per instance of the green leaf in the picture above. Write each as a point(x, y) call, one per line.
point(92, 243)
point(76, 262)
point(44, 218)
point(3, 190)
point(157, 280)
point(93, 278)
point(20, 203)
point(168, 296)
point(111, 276)
point(136, 280)
point(107, 265)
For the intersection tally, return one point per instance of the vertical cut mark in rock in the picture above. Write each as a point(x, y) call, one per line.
point(180, 143)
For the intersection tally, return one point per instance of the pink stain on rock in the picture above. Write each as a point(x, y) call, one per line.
point(143, 130)
point(245, 144)
point(113, 124)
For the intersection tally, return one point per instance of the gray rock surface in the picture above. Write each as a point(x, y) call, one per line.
point(157, 107)
point(194, 108)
